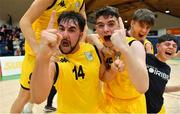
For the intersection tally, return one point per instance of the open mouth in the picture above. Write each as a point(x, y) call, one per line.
point(140, 35)
point(65, 43)
point(168, 53)
point(107, 38)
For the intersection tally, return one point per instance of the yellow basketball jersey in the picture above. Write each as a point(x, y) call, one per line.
point(120, 94)
point(121, 87)
point(42, 22)
point(78, 83)
point(147, 41)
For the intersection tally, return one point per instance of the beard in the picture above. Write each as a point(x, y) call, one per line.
point(65, 46)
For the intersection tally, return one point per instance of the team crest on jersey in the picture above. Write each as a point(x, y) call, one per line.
point(77, 4)
point(89, 56)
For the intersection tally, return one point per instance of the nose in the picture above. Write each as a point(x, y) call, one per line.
point(64, 34)
point(106, 29)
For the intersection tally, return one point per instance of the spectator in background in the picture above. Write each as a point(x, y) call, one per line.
point(6, 52)
point(3, 29)
point(9, 41)
point(12, 38)
point(22, 50)
point(16, 46)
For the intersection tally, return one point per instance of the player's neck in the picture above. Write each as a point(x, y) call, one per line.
point(161, 58)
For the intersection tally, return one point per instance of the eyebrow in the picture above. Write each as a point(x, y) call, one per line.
point(111, 21)
point(61, 25)
point(69, 27)
point(107, 22)
point(99, 23)
point(72, 27)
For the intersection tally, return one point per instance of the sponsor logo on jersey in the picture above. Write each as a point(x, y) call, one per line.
point(155, 71)
point(62, 3)
point(88, 56)
point(77, 4)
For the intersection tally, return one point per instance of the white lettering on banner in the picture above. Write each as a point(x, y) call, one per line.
point(11, 65)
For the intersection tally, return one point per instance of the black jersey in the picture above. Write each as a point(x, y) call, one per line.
point(159, 74)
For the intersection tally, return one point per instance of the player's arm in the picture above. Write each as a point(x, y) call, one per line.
point(172, 88)
point(82, 11)
point(178, 54)
point(43, 74)
point(42, 79)
point(94, 39)
point(35, 10)
point(134, 59)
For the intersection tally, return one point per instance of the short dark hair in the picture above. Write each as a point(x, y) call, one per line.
point(144, 15)
point(168, 37)
point(76, 17)
point(107, 11)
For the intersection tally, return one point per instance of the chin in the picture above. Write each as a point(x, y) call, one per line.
point(167, 57)
point(65, 51)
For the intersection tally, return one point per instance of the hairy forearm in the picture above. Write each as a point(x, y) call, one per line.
point(41, 81)
point(136, 69)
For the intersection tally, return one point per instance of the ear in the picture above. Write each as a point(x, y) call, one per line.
point(157, 46)
point(95, 27)
point(81, 34)
point(132, 23)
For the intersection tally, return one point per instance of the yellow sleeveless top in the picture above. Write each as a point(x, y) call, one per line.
point(121, 87)
point(42, 22)
point(78, 84)
point(147, 41)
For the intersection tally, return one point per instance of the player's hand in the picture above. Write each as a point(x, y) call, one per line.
point(118, 38)
point(94, 39)
point(50, 38)
point(118, 65)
